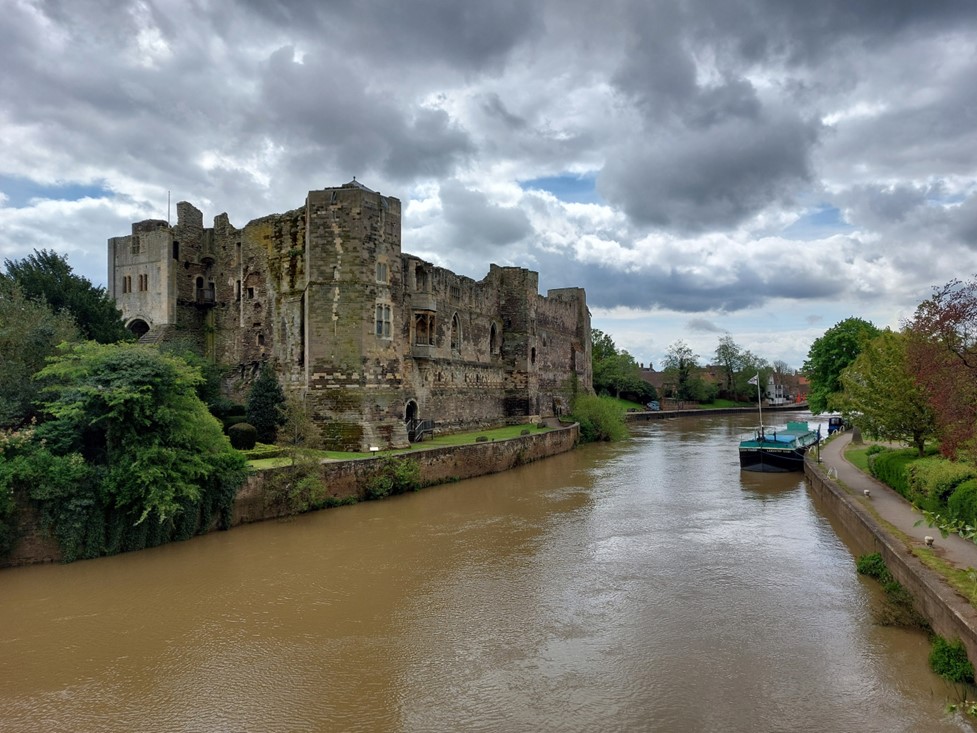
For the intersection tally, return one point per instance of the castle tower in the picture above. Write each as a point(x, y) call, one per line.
point(353, 323)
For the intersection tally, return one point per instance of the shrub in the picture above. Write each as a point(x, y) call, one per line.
point(393, 476)
point(600, 418)
point(889, 467)
point(243, 435)
point(949, 660)
point(265, 407)
point(931, 481)
point(874, 567)
point(296, 489)
point(962, 504)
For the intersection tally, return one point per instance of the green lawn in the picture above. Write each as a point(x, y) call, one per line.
point(502, 433)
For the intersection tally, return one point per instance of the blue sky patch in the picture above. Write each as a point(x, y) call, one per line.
point(571, 188)
point(20, 191)
point(818, 224)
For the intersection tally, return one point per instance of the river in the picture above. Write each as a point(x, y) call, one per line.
point(640, 586)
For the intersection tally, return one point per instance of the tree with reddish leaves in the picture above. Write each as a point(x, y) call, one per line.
point(943, 357)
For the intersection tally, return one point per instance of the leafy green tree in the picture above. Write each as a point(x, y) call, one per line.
point(881, 396)
point(829, 356)
point(128, 455)
point(266, 404)
point(681, 367)
point(29, 333)
point(46, 275)
point(728, 359)
point(615, 372)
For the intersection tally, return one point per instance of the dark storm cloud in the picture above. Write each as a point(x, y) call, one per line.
point(479, 224)
point(710, 178)
point(468, 35)
point(323, 106)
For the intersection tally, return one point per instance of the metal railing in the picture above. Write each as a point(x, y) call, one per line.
point(417, 429)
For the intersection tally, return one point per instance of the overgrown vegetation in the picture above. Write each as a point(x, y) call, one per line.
point(898, 608)
point(600, 419)
point(126, 455)
point(392, 475)
point(949, 660)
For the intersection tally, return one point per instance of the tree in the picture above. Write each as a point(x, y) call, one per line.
point(829, 356)
point(265, 405)
point(881, 396)
point(29, 333)
point(943, 357)
point(681, 366)
point(616, 372)
point(728, 359)
point(47, 276)
point(128, 455)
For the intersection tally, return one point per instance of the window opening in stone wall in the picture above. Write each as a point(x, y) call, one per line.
point(532, 356)
point(420, 276)
point(261, 339)
point(143, 283)
point(135, 245)
point(494, 341)
point(250, 293)
point(383, 325)
point(176, 250)
point(455, 333)
point(454, 292)
point(424, 329)
point(237, 290)
point(127, 284)
point(381, 272)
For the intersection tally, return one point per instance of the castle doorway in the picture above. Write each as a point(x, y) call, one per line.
point(139, 327)
point(410, 412)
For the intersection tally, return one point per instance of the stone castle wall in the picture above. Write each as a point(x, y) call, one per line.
point(369, 336)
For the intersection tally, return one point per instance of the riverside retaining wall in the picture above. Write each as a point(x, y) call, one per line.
point(346, 480)
point(950, 615)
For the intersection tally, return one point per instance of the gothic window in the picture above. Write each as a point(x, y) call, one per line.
point(454, 292)
point(455, 333)
point(127, 284)
point(143, 283)
point(495, 343)
point(383, 327)
point(381, 272)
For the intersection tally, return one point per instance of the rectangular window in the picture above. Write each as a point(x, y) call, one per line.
point(383, 326)
point(381, 272)
point(454, 292)
point(135, 244)
point(127, 284)
point(250, 293)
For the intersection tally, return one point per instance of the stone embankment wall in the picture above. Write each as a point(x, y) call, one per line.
point(950, 615)
point(346, 479)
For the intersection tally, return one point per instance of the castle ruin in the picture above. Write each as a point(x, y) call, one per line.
point(379, 343)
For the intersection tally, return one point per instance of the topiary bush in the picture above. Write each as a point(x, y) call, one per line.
point(949, 660)
point(889, 467)
point(931, 481)
point(243, 436)
point(962, 504)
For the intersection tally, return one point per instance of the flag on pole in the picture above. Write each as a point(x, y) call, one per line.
point(755, 380)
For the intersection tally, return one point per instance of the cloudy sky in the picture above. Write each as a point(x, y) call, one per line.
point(753, 167)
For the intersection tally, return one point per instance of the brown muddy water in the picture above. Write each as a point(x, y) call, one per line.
point(642, 586)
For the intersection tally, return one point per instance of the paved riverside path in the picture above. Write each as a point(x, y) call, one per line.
point(892, 507)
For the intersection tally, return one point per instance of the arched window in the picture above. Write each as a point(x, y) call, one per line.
point(495, 343)
point(455, 333)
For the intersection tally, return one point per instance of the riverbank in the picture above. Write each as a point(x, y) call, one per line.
point(883, 522)
point(345, 482)
point(664, 414)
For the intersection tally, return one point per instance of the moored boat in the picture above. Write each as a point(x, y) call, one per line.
point(777, 449)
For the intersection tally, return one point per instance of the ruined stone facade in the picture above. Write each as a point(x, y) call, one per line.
point(375, 340)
